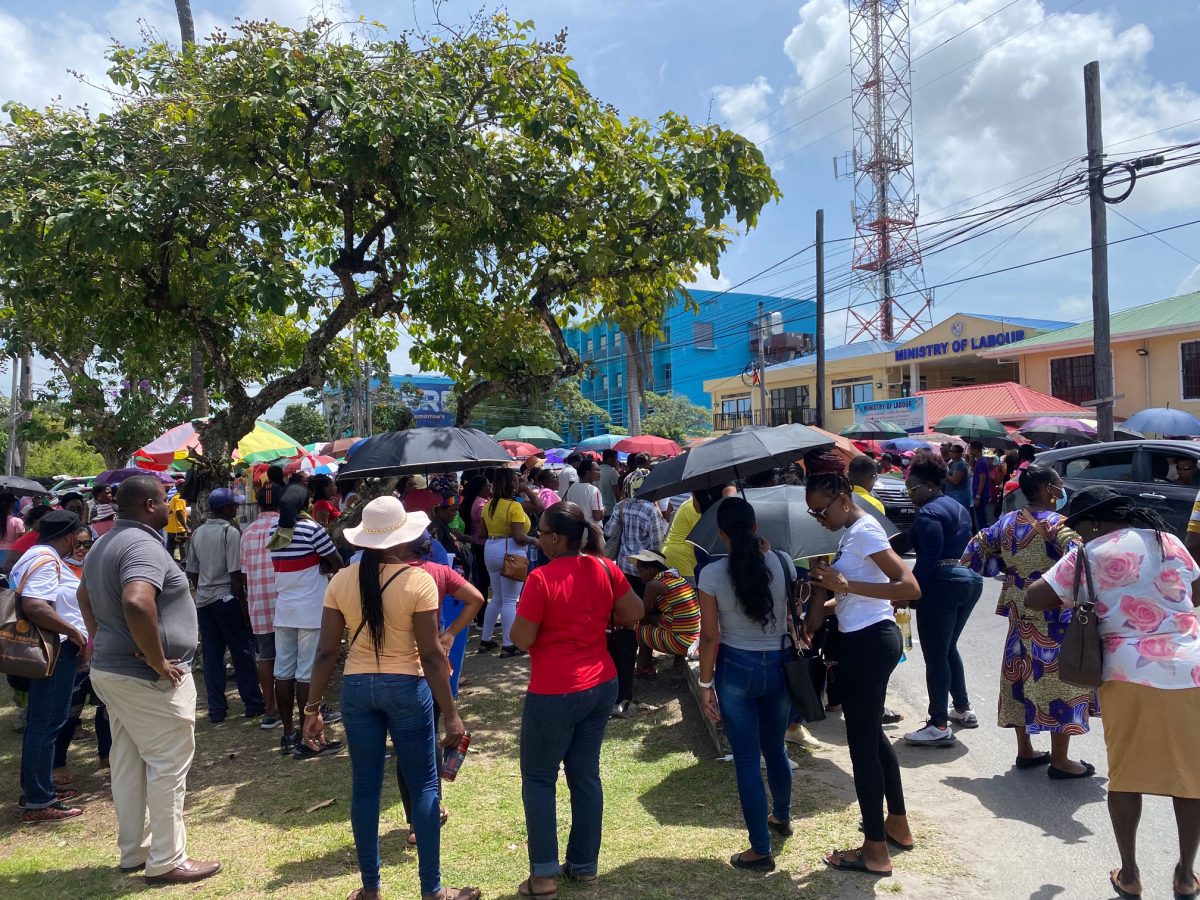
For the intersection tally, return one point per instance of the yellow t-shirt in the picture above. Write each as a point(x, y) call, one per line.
point(176, 505)
point(507, 514)
point(679, 553)
point(412, 591)
point(869, 497)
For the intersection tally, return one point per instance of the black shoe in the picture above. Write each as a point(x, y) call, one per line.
point(256, 713)
point(509, 652)
point(620, 710)
point(287, 743)
point(891, 717)
point(783, 829)
point(216, 718)
point(332, 748)
point(486, 647)
point(330, 715)
point(762, 864)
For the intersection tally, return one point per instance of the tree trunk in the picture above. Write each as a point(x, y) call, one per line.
point(633, 381)
point(187, 28)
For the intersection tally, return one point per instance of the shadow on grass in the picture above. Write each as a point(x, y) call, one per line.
point(85, 881)
point(343, 860)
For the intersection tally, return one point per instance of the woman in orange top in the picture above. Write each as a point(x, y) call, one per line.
point(395, 670)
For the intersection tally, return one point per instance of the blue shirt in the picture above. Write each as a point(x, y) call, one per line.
point(960, 492)
point(941, 530)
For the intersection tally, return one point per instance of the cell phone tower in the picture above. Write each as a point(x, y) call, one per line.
point(888, 299)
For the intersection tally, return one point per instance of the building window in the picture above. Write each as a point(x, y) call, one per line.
point(604, 384)
point(618, 341)
point(847, 395)
point(666, 376)
point(1189, 366)
point(620, 381)
point(789, 398)
point(587, 346)
point(602, 344)
point(736, 407)
point(1073, 378)
point(702, 335)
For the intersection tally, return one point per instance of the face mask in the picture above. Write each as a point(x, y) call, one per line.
point(1061, 502)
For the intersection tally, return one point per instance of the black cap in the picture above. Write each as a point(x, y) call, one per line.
point(1097, 502)
point(56, 524)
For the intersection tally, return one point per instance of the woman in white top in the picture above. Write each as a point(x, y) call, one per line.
point(867, 578)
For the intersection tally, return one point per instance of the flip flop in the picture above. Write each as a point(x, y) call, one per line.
point(1060, 775)
point(1032, 762)
point(1178, 894)
point(896, 845)
point(1113, 877)
point(858, 865)
point(582, 880)
point(525, 889)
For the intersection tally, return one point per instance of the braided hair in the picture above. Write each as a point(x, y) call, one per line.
point(829, 482)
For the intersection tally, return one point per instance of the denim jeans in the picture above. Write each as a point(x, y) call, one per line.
point(755, 707)
point(222, 627)
point(49, 709)
point(82, 693)
point(374, 706)
point(566, 730)
point(458, 650)
point(942, 613)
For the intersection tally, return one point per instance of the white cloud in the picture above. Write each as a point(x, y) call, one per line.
point(740, 106)
point(1190, 283)
point(702, 280)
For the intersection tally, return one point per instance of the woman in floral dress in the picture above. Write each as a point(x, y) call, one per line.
point(1021, 546)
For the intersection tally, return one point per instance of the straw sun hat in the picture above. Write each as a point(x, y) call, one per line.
point(385, 523)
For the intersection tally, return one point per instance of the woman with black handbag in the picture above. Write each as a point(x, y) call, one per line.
point(868, 579)
point(1131, 586)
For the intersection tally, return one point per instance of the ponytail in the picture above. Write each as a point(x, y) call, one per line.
point(747, 569)
point(371, 598)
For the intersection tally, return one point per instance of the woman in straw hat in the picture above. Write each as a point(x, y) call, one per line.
point(396, 669)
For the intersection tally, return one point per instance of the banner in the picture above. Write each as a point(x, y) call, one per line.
point(907, 412)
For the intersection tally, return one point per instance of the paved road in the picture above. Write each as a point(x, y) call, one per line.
point(1026, 835)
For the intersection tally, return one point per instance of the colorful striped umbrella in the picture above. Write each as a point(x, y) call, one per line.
point(264, 443)
point(313, 463)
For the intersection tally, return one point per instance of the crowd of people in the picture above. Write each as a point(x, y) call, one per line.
point(593, 582)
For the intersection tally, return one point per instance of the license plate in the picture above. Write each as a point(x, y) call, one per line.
point(907, 510)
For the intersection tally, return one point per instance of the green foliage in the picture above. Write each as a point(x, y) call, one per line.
point(304, 423)
point(675, 417)
point(390, 410)
point(563, 409)
point(70, 456)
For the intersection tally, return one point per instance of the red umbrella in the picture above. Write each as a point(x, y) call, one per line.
point(519, 449)
point(648, 443)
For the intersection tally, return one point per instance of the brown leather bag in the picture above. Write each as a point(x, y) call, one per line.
point(26, 650)
point(1080, 659)
point(515, 566)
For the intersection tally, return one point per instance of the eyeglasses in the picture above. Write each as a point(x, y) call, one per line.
point(84, 544)
point(823, 511)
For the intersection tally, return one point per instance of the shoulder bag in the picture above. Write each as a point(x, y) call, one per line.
point(612, 546)
point(26, 650)
point(798, 663)
point(1080, 659)
point(515, 566)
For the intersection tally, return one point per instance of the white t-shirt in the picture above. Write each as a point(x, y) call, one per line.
point(854, 611)
point(49, 580)
point(567, 477)
point(587, 496)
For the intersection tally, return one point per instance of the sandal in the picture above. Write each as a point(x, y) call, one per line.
point(55, 812)
point(895, 844)
point(1180, 895)
point(856, 864)
point(1114, 878)
point(467, 893)
point(63, 780)
point(582, 880)
point(525, 889)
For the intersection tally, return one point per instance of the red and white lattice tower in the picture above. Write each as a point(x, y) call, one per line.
point(889, 299)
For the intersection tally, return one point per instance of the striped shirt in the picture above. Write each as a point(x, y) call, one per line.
point(259, 572)
point(1194, 521)
point(299, 583)
point(679, 607)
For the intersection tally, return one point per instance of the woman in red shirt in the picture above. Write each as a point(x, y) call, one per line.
point(564, 612)
point(325, 509)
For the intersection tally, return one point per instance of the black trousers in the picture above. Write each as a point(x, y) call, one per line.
point(866, 661)
point(623, 648)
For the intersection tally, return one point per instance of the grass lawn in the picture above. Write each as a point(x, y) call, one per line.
point(671, 817)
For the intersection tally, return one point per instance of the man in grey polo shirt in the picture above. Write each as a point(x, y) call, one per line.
point(138, 607)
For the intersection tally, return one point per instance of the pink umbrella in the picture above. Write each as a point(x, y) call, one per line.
point(312, 463)
point(519, 449)
point(648, 443)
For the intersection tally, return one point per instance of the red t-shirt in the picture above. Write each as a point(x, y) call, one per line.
point(422, 500)
point(448, 581)
point(571, 598)
point(23, 543)
point(330, 508)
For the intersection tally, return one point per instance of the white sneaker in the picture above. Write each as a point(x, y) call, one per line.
point(792, 764)
point(931, 736)
point(966, 719)
point(798, 734)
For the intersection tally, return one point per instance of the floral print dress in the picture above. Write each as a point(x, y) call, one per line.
point(1032, 696)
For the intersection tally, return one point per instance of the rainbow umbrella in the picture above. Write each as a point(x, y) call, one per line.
point(264, 443)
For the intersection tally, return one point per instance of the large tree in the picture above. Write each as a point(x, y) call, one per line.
point(269, 191)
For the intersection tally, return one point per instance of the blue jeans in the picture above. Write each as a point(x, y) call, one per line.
point(372, 707)
point(566, 730)
point(942, 612)
point(755, 707)
point(458, 650)
point(49, 709)
point(224, 627)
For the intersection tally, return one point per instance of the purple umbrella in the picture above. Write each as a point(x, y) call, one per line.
point(1043, 422)
point(114, 477)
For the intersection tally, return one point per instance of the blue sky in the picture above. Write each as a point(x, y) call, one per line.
point(999, 95)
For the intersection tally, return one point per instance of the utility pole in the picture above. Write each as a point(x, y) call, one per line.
point(762, 363)
point(1102, 358)
point(820, 385)
point(13, 407)
point(23, 404)
point(370, 405)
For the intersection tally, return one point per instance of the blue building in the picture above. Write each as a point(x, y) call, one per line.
point(721, 337)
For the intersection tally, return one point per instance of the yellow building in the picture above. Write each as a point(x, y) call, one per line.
point(965, 349)
point(1156, 358)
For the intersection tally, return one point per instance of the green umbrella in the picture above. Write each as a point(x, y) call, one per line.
point(872, 430)
point(540, 437)
point(969, 426)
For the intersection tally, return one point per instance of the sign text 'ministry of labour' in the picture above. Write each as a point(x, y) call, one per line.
point(961, 345)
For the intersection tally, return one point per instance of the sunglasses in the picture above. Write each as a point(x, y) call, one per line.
point(823, 511)
point(84, 544)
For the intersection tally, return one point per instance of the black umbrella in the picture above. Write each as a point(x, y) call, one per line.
point(784, 522)
point(22, 487)
point(731, 457)
point(423, 449)
point(116, 476)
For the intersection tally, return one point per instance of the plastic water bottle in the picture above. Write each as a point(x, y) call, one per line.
point(904, 620)
point(453, 759)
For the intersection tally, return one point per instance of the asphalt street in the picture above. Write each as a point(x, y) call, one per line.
point(1023, 834)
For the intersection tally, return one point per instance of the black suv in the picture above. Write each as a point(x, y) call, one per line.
point(898, 507)
point(1146, 471)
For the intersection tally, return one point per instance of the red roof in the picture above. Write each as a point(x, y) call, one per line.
point(1008, 402)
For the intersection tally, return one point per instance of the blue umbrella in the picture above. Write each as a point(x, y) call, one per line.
point(601, 442)
point(903, 445)
point(1164, 420)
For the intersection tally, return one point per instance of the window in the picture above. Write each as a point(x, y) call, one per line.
point(736, 406)
point(789, 398)
point(620, 381)
point(1115, 465)
point(845, 396)
point(602, 344)
point(604, 384)
point(702, 335)
point(666, 376)
point(619, 341)
point(587, 346)
point(906, 386)
point(1073, 378)
point(1189, 367)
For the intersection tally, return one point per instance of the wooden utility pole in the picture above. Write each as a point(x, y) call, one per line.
point(14, 407)
point(1102, 357)
point(820, 380)
point(23, 404)
point(762, 364)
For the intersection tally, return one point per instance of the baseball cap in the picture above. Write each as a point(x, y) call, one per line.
point(223, 497)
